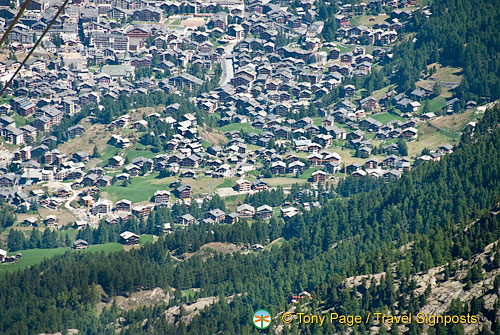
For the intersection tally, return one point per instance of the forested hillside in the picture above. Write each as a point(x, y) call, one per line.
point(460, 33)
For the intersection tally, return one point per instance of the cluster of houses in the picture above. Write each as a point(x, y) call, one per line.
point(104, 43)
point(6, 259)
point(126, 238)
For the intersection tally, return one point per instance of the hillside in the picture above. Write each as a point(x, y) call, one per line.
point(197, 167)
point(413, 209)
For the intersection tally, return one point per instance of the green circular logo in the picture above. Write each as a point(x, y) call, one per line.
point(261, 319)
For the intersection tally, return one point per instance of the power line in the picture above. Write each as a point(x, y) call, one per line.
point(36, 44)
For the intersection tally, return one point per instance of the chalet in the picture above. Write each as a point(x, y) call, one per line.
point(51, 220)
point(364, 151)
point(243, 185)
point(188, 174)
point(103, 206)
point(264, 212)
point(332, 167)
point(336, 132)
point(132, 170)
point(301, 144)
point(296, 167)
point(278, 167)
point(184, 192)
point(389, 161)
point(370, 124)
point(90, 179)
point(191, 161)
point(104, 181)
point(117, 217)
point(420, 94)
point(346, 105)
point(231, 218)
point(141, 210)
point(186, 219)
point(219, 20)
point(372, 163)
point(259, 185)
point(315, 159)
point(302, 296)
point(4, 258)
point(81, 156)
point(436, 156)
point(302, 123)
point(129, 238)
point(359, 173)
point(147, 14)
point(331, 157)
point(319, 176)
point(80, 244)
point(223, 171)
point(352, 168)
point(257, 247)
point(167, 228)
point(216, 215)
point(161, 197)
point(446, 149)
point(13, 135)
point(26, 109)
point(392, 175)
point(245, 211)
point(314, 147)
point(123, 205)
point(369, 104)
point(137, 33)
point(403, 164)
point(349, 90)
point(31, 221)
point(122, 176)
point(116, 162)
point(79, 225)
point(409, 133)
point(427, 116)
point(289, 212)
point(23, 154)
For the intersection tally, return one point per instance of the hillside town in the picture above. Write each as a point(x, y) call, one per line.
point(281, 102)
point(249, 166)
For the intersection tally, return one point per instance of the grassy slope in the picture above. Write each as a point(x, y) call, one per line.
point(143, 188)
point(35, 256)
point(444, 129)
point(386, 117)
point(247, 127)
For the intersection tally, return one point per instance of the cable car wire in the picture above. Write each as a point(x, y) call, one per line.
point(34, 47)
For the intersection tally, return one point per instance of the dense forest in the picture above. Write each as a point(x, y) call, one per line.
point(428, 206)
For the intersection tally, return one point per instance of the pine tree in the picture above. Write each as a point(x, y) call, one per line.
point(436, 89)
point(67, 241)
point(95, 153)
point(35, 239)
point(402, 148)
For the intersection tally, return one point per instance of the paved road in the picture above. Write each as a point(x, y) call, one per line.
point(81, 213)
point(227, 64)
